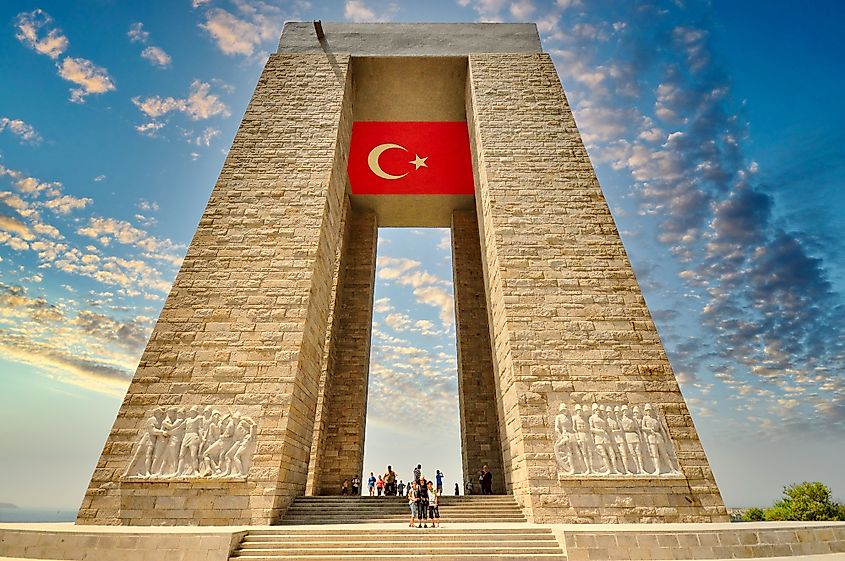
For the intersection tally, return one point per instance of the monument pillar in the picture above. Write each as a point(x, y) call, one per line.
point(478, 389)
point(570, 328)
point(243, 329)
point(340, 453)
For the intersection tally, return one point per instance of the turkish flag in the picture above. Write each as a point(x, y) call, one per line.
point(410, 158)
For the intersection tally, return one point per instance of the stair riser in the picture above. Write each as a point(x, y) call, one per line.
point(251, 546)
point(369, 557)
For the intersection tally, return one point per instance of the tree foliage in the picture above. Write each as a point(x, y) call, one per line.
point(802, 501)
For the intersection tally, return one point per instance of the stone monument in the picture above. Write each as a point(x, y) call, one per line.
point(252, 389)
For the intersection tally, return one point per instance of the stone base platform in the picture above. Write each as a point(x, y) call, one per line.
point(808, 541)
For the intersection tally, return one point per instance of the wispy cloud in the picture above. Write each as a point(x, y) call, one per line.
point(199, 104)
point(89, 78)
point(244, 30)
point(152, 53)
point(21, 129)
point(29, 27)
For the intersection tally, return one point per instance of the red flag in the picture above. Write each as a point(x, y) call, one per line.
point(410, 158)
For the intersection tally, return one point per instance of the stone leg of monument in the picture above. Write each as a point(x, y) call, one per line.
point(243, 329)
point(481, 441)
point(569, 324)
point(340, 454)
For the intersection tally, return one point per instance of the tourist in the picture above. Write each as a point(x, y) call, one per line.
point(371, 483)
point(380, 486)
point(401, 488)
point(439, 478)
point(457, 489)
point(417, 473)
point(486, 481)
point(344, 489)
point(433, 505)
point(422, 493)
point(413, 502)
point(356, 486)
point(390, 482)
point(468, 486)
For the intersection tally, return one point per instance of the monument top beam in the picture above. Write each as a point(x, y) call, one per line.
point(411, 39)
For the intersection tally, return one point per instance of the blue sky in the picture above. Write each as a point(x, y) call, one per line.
point(716, 130)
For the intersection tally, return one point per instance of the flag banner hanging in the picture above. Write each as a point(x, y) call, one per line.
point(410, 158)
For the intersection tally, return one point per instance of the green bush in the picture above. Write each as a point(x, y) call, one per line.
point(805, 501)
point(753, 515)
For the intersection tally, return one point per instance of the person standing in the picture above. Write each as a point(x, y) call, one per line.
point(468, 486)
point(457, 490)
point(401, 488)
point(422, 493)
point(486, 481)
point(356, 486)
point(413, 503)
point(344, 489)
point(417, 473)
point(433, 505)
point(390, 482)
point(371, 484)
point(380, 486)
point(439, 478)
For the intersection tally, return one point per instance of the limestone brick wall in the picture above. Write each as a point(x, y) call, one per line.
point(58, 541)
point(700, 541)
point(315, 463)
point(244, 324)
point(568, 321)
point(345, 401)
point(477, 387)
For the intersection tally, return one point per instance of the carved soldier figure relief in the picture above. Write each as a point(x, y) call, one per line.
point(613, 441)
point(186, 444)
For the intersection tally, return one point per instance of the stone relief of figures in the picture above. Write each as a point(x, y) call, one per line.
point(194, 442)
point(613, 440)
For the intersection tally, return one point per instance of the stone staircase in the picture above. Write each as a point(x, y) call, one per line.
point(355, 510)
point(525, 543)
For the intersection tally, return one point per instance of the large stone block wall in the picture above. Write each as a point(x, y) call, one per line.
point(477, 387)
point(567, 318)
point(324, 388)
point(341, 451)
point(244, 325)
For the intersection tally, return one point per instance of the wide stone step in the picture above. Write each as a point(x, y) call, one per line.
point(376, 542)
point(526, 530)
point(412, 557)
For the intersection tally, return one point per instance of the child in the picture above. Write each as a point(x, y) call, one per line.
point(413, 503)
point(371, 484)
point(433, 505)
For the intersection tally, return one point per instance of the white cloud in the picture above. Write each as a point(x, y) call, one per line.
point(99, 178)
point(357, 11)
point(15, 226)
point(200, 104)
point(21, 129)
point(156, 56)
point(241, 34)
point(90, 78)
point(205, 137)
point(149, 129)
point(67, 203)
point(29, 25)
point(137, 34)
point(522, 10)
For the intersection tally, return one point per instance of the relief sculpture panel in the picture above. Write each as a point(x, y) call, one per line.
point(194, 442)
point(613, 440)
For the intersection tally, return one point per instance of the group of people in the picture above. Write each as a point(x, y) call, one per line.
point(485, 482)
